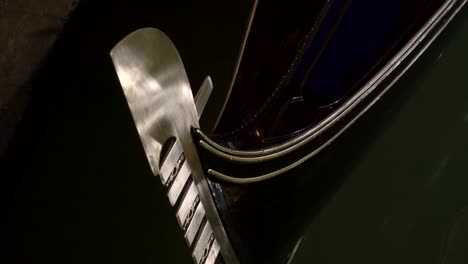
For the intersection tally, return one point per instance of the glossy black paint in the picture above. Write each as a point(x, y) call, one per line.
point(345, 45)
point(257, 215)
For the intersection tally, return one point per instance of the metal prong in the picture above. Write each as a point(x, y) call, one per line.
point(203, 245)
point(203, 95)
point(194, 225)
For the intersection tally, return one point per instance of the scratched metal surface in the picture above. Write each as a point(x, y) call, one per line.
point(77, 193)
point(406, 198)
point(77, 187)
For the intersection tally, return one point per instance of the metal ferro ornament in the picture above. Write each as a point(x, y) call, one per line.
point(252, 191)
point(159, 96)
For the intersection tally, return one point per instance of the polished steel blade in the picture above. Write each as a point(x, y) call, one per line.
point(158, 94)
point(157, 89)
point(203, 95)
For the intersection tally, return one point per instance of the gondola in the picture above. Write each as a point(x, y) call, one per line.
point(305, 75)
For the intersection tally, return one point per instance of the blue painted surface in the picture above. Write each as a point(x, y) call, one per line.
point(356, 35)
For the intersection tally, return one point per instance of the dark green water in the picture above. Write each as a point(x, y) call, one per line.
point(406, 199)
point(78, 189)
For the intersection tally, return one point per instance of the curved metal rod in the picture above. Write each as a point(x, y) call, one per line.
point(254, 156)
point(273, 174)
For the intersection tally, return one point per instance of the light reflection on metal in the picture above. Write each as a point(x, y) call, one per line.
point(203, 95)
point(205, 242)
point(239, 58)
point(211, 258)
point(297, 142)
point(188, 205)
point(172, 158)
point(194, 225)
point(158, 94)
point(405, 58)
point(180, 180)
